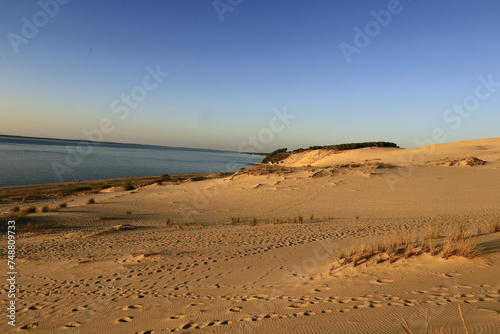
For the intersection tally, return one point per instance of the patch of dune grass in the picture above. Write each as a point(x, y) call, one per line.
point(459, 242)
point(28, 210)
point(495, 226)
point(127, 185)
point(459, 231)
point(40, 228)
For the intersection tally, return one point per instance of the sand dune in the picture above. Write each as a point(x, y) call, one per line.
point(185, 257)
point(484, 149)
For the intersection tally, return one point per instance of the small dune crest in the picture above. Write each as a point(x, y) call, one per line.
point(469, 161)
point(116, 228)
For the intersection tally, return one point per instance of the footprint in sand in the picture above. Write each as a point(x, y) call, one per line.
point(359, 298)
point(261, 296)
point(79, 308)
point(472, 301)
point(177, 316)
point(420, 291)
point(306, 313)
point(297, 305)
point(218, 323)
point(146, 332)
point(450, 275)
point(35, 307)
point(73, 325)
point(30, 326)
point(132, 307)
point(235, 309)
point(125, 319)
point(382, 281)
point(493, 295)
point(361, 306)
point(374, 304)
point(188, 325)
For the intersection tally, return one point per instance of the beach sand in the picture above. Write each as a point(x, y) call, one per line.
point(185, 257)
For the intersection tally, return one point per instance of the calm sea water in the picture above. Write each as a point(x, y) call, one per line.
point(25, 161)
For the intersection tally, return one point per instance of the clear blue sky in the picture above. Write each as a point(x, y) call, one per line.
point(226, 76)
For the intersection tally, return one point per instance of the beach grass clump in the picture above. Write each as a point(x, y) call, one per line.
point(253, 222)
point(433, 232)
point(276, 221)
point(33, 228)
point(459, 231)
point(168, 222)
point(128, 212)
point(495, 226)
point(235, 220)
point(91, 201)
point(28, 210)
point(165, 178)
point(407, 245)
point(300, 219)
point(82, 189)
point(128, 185)
point(40, 228)
point(45, 208)
point(465, 247)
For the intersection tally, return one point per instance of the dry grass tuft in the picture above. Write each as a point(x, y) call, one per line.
point(406, 245)
point(495, 226)
point(28, 210)
point(459, 231)
point(40, 228)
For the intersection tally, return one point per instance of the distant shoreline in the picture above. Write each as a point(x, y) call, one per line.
point(117, 143)
point(67, 188)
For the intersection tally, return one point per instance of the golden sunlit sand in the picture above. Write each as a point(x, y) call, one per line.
point(260, 251)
